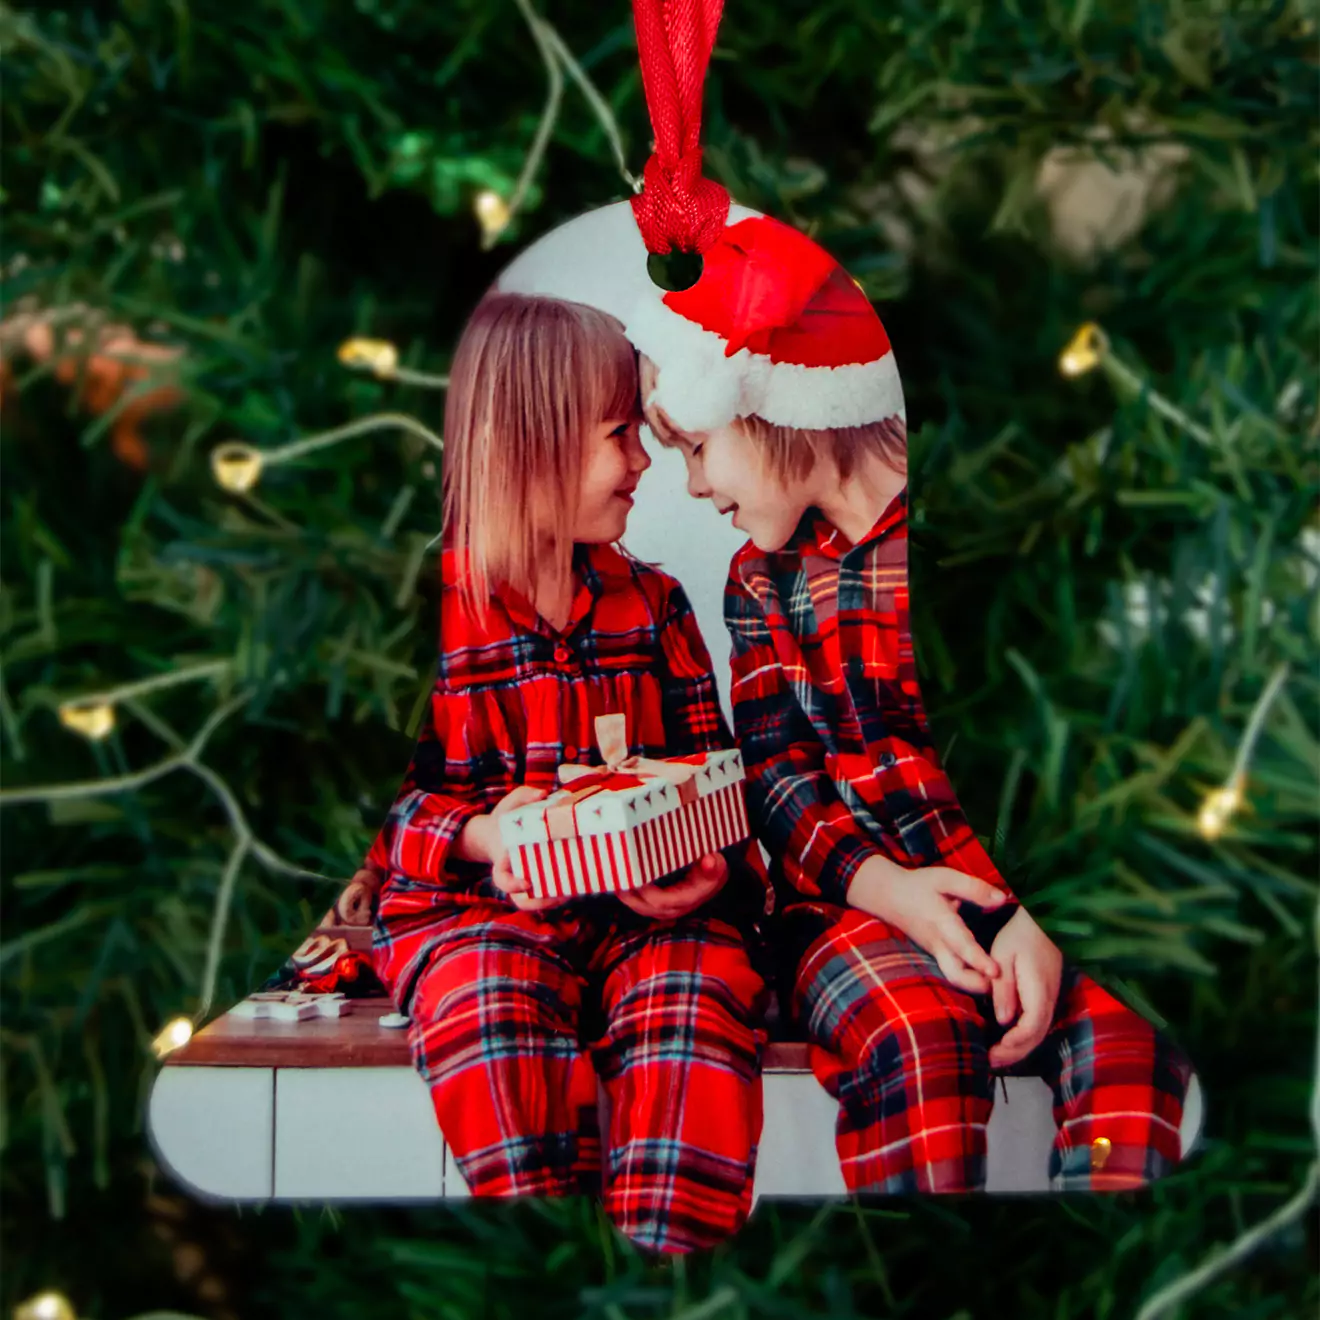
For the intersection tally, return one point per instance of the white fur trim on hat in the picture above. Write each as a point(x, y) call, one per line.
point(699, 388)
point(824, 398)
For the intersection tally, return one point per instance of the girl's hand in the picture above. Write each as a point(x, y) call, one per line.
point(923, 904)
point(480, 842)
point(480, 838)
point(703, 881)
point(1028, 989)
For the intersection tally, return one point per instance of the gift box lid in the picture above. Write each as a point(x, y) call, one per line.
point(598, 809)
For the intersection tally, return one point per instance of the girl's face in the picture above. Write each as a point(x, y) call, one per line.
point(612, 464)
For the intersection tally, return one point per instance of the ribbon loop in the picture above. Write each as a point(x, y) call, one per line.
point(677, 209)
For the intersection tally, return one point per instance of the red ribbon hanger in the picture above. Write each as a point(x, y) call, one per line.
point(677, 209)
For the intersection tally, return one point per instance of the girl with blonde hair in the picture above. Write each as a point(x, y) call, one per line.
point(545, 624)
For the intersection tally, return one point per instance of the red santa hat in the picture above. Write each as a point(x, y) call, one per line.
point(775, 328)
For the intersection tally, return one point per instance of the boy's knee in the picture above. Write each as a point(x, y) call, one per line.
point(934, 1038)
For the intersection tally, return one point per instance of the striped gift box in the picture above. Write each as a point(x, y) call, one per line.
point(604, 840)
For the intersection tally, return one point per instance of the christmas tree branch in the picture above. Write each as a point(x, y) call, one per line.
point(554, 94)
point(1291, 1212)
point(188, 760)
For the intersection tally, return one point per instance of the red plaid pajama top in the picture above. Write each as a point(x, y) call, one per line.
point(840, 762)
point(513, 698)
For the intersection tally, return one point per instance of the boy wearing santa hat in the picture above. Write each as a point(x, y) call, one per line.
point(907, 961)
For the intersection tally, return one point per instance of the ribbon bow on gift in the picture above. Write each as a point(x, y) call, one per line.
point(619, 772)
point(624, 771)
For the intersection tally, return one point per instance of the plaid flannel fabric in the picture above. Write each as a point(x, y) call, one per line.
point(906, 1055)
point(509, 1015)
point(841, 767)
point(840, 762)
point(513, 699)
point(503, 1002)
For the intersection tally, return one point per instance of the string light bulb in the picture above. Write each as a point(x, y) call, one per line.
point(1219, 808)
point(236, 466)
point(1101, 1148)
point(1085, 350)
point(173, 1036)
point(492, 212)
point(378, 356)
point(49, 1305)
point(93, 720)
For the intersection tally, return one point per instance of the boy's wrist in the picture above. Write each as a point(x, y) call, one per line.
point(872, 884)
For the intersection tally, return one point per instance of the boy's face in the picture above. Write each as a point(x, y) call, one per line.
point(727, 468)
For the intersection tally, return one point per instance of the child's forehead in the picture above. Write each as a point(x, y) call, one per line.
point(664, 429)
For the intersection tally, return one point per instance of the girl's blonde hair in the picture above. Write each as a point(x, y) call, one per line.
point(530, 378)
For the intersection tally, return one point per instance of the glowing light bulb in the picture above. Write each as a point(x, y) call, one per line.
point(236, 466)
point(48, 1305)
point(174, 1036)
point(1084, 351)
point(1219, 808)
point(94, 721)
point(492, 212)
point(376, 355)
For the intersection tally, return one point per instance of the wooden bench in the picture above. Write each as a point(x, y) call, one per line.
point(332, 1110)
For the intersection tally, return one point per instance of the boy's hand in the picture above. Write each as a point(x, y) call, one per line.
point(923, 904)
point(702, 882)
point(1028, 990)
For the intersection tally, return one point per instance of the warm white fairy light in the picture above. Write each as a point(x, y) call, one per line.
point(173, 1036)
point(236, 466)
point(1218, 809)
point(381, 358)
point(1085, 350)
point(49, 1305)
point(492, 211)
point(1089, 348)
point(1224, 802)
point(378, 356)
point(93, 720)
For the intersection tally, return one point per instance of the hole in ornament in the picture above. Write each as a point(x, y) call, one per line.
point(674, 270)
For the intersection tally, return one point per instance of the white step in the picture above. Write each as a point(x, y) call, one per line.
point(369, 1133)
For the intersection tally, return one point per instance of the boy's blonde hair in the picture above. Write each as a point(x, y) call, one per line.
point(530, 378)
point(791, 452)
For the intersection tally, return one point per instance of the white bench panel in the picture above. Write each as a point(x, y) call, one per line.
point(1019, 1136)
point(796, 1156)
point(340, 1134)
point(348, 1134)
point(213, 1129)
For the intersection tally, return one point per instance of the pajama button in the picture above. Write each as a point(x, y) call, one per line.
point(570, 753)
point(561, 655)
point(888, 761)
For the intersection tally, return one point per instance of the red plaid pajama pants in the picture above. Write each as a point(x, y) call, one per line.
point(906, 1055)
point(502, 1002)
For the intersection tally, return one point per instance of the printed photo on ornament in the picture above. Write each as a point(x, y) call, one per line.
point(674, 823)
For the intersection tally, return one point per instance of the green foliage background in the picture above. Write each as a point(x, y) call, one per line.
point(256, 180)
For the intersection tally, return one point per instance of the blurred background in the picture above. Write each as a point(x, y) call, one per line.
point(1114, 573)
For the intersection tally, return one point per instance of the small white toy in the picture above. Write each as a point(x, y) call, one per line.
point(292, 1006)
